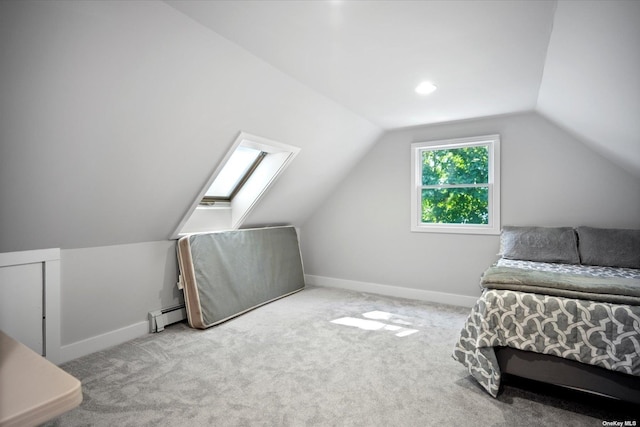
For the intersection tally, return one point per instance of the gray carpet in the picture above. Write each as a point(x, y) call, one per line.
point(387, 362)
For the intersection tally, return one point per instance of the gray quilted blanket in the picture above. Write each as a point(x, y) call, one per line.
point(620, 290)
point(598, 333)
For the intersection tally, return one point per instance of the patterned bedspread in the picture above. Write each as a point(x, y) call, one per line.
point(597, 333)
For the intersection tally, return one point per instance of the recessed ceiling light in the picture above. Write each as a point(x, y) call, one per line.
point(425, 88)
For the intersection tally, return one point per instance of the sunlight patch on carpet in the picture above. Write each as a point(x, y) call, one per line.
point(376, 325)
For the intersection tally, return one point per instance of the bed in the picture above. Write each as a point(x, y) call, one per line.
point(561, 305)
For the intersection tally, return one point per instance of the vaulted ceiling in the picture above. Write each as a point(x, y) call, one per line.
point(576, 62)
point(115, 114)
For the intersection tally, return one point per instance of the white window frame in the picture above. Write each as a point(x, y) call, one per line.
point(232, 214)
point(493, 227)
point(234, 177)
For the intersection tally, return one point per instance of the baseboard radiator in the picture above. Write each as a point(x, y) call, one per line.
point(167, 316)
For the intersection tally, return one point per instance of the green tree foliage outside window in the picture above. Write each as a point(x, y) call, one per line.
point(455, 185)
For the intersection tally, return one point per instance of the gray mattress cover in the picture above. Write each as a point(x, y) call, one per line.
point(239, 270)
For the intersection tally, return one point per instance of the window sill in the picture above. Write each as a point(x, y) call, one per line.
point(218, 205)
point(455, 229)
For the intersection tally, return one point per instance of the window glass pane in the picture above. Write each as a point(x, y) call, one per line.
point(469, 165)
point(232, 172)
point(455, 205)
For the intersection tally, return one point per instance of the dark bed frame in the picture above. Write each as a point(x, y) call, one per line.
point(568, 373)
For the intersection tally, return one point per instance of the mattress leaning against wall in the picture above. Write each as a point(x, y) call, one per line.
point(225, 274)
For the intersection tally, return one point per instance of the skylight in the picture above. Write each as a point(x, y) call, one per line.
point(234, 173)
point(243, 176)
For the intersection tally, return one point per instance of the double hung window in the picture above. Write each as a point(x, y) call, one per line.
point(455, 185)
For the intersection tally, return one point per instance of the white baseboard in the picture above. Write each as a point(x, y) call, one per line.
point(109, 339)
point(393, 291)
point(103, 341)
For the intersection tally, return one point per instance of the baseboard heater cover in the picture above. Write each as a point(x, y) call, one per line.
point(225, 274)
point(158, 319)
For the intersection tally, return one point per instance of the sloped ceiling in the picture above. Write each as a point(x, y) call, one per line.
point(576, 62)
point(591, 80)
point(113, 115)
point(486, 58)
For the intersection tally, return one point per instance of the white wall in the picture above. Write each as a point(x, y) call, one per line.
point(591, 82)
point(107, 293)
point(361, 233)
point(113, 115)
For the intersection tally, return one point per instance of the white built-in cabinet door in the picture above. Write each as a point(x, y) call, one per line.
point(21, 304)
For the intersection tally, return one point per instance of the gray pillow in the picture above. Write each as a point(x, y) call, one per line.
point(542, 244)
point(612, 247)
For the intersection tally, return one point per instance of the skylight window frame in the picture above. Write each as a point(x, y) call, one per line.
point(212, 200)
point(278, 156)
